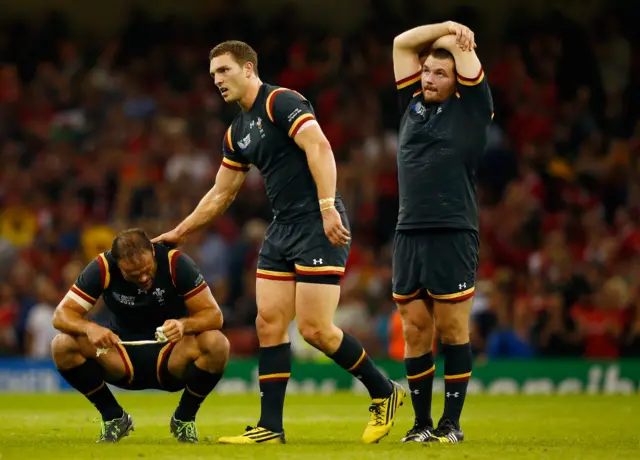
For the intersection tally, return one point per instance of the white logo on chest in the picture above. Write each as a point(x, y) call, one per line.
point(128, 300)
point(158, 294)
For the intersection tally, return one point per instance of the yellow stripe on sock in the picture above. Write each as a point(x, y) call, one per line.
point(355, 366)
point(431, 370)
point(457, 376)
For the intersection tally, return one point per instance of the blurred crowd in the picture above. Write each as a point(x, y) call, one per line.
point(101, 135)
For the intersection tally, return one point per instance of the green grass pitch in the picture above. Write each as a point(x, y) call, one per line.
point(64, 426)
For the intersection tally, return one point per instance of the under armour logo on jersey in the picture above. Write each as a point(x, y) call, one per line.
point(141, 291)
point(462, 286)
point(317, 261)
point(455, 395)
point(439, 110)
point(252, 124)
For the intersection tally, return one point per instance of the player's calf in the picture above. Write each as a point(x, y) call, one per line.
point(418, 329)
point(209, 353)
point(88, 377)
point(452, 323)
point(315, 307)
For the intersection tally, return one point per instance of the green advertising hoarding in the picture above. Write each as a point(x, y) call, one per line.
point(496, 377)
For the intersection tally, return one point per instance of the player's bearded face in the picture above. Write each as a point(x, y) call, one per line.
point(230, 77)
point(438, 79)
point(140, 270)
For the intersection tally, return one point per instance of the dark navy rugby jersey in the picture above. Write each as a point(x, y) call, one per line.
point(135, 313)
point(439, 147)
point(264, 136)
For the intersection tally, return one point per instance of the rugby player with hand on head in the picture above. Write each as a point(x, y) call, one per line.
point(305, 249)
point(143, 286)
point(445, 107)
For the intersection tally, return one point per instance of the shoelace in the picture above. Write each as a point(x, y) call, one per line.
point(110, 429)
point(443, 429)
point(376, 410)
point(188, 429)
point(249, 430)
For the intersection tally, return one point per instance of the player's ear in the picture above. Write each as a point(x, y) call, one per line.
point(248, 69)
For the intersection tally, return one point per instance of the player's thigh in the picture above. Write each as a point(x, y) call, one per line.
point(275, 300)
point(417, 315)
point(275, 287)
point(407, 268)
point(452, 320)
point(418, 326)
point(179, 356)
point(112, 361)
point(319, 270)
point(316, 305)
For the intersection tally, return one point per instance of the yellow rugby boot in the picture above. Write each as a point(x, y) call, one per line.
point(383, 414)
point(257, 435)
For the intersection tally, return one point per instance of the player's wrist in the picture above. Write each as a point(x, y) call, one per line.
point(326, 204)
point(87, 328)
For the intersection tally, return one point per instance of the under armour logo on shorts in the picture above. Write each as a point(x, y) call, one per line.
point(455, 395)
point(317, 261)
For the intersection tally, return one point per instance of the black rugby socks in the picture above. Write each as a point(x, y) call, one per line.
point(274, 370)
point(88, 379)
point(198, 384)
point(420, 373)
point(457, 372)
point(351, 356)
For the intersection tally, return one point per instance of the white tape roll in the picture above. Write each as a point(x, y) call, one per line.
point(160, 337)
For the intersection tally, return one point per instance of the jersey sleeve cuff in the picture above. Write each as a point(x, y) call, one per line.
point(408, 81)
point(299, 122)
point(471, 81)
point(227, 163)
point(81, 298)
point(201, 287)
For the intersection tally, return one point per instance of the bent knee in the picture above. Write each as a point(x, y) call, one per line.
point(65, 351)
point(213, 342)
point(64, 343)
point(314, 333)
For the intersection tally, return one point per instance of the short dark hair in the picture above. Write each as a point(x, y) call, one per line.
point(130, 244)
point(441, 53)
point(240, 51)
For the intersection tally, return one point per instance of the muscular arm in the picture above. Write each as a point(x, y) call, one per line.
point(408, 45)
point(70, 314)
point(205, 314)
point(70, 317)
point(215, 202)
point(320, 158)
point(468, 64)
